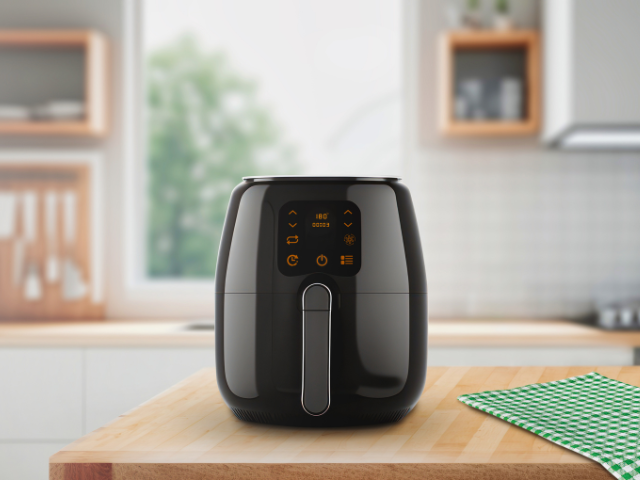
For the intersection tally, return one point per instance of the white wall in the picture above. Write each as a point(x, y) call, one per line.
point(508, 227)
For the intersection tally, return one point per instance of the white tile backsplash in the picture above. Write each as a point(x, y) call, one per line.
point(537, 233)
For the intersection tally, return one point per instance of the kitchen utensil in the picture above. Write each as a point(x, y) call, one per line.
point(321, 305)
point(473, 91)
point(18, 261)
point(511, 96)
point(32, 284)
point(608, 317)
point(29, 216)
point(73, 285)
point(619, 316)
point(18, 245)
point(51, 218)
point(32, 289)
point(628, 316)
point(7, 215)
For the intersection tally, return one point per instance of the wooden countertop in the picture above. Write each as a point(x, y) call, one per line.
point(531, 333)
point(110, 333)
point(188, 433)
point(442, 333)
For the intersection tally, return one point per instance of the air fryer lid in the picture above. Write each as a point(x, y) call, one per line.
point(322, 178)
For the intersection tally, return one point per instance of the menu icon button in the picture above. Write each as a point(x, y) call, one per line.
point(346, 260)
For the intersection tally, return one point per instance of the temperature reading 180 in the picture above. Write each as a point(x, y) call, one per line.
point(322, 216)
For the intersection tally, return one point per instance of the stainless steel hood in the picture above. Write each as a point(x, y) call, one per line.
point(592, 74)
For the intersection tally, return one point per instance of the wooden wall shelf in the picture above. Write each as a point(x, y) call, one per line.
point(94, 46)
point(452, 43)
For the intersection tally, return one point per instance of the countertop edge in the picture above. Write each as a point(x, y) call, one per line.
point(318, 471)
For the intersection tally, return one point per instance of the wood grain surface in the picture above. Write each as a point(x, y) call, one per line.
point(188, 433)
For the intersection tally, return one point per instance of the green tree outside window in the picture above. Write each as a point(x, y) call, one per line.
point(206, 130)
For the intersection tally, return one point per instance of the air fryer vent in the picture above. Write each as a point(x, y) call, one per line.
point(259, 417)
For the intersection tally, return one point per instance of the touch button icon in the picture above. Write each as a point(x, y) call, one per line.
point(322, 260)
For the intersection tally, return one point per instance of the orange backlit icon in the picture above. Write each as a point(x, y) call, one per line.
point(293, 225)
point(348, 224)
point(349, 212)
point(346, 259)
point(292, 239)
point(292, 260)
point(350, 239)
point(292, 211)
point(322, 260)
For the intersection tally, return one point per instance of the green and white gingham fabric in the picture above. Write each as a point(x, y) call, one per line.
point(593, 415)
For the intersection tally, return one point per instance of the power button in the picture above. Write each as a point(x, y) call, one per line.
point(322, 260)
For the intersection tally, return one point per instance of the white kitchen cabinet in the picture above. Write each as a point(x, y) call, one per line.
point(41, 394)
point(51, 396)
point(119, 379)
point(27, 461)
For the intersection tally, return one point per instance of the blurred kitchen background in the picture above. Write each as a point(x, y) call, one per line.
point(125, 124)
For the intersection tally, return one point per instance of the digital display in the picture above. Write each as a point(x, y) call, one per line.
point(319, 237)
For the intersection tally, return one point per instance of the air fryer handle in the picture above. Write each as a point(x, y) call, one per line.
point(316, 349)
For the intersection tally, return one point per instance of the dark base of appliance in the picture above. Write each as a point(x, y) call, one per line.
point(310, 421)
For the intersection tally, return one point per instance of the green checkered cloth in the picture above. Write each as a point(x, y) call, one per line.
point(593, 415)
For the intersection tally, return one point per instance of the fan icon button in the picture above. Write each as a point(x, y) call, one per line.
point(350, 239)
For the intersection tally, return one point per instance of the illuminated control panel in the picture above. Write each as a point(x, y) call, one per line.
point(319, 237)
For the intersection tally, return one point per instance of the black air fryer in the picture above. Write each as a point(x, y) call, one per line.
point(321, 302)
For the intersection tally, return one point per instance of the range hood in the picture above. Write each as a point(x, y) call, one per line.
point(592, 74)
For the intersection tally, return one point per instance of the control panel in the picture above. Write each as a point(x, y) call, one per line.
point(319, 237)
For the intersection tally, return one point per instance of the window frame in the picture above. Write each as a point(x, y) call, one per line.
point(130, 293)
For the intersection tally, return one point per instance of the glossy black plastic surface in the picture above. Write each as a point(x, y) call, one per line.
point(378, 321)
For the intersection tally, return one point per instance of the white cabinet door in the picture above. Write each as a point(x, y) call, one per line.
point(41, 393)
point(119, 379)
point(27, 461)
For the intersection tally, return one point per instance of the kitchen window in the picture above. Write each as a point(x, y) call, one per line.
point(230, 89)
